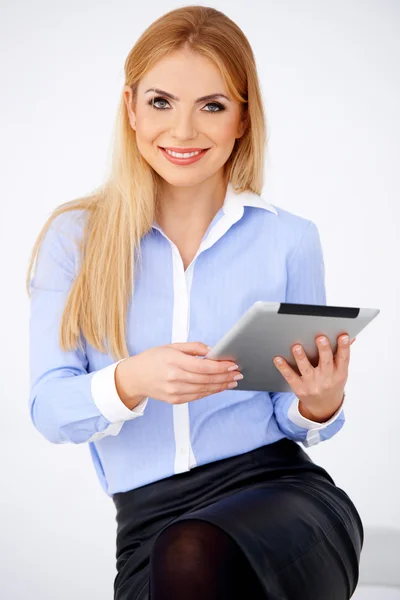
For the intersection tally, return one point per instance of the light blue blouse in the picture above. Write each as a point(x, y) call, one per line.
point(251, 251)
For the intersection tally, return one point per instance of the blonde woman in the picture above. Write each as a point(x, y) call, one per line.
point(214, 496)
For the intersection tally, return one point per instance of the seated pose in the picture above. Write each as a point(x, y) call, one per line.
point(214, 496)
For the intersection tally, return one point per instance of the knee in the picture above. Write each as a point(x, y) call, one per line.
point(202, 561)
point(182, 546)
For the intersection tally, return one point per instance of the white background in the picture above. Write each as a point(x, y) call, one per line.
point(330, 79)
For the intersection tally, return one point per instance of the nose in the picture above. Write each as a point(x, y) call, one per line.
point(183, 127)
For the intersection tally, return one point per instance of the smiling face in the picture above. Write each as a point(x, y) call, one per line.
point(177, 116)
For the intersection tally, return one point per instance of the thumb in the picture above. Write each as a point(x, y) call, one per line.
point(194, 348)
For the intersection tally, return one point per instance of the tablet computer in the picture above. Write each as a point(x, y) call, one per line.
point(270, 329)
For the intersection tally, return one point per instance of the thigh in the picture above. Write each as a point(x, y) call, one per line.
point(303, 540)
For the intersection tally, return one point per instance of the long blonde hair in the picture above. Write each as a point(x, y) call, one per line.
point(121, 211)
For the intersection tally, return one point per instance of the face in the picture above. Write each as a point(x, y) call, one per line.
point(184, 122)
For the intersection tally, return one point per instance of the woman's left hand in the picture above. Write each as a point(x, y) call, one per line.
point(319, 389)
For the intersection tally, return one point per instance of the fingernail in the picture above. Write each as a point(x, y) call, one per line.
point(209, 347)
point(233, 368)
point(345, 339)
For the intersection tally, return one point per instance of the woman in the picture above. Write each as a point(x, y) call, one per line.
point(214, 496)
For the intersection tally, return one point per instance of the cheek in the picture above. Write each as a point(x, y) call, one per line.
point(147, 125)
point(147, 129)
point(223, 130)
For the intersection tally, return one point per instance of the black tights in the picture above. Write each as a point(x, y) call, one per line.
point(195, 560)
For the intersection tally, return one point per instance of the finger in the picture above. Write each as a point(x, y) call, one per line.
point(217, 390)
point(186, 392)
point(325, 365)
point(205, 365)
point(301, 358)
point(289, 374)
point(342, 356)
point(352, 341)
point(184, 376)
point(194, 348)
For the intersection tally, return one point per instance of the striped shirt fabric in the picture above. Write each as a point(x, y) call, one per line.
point(252, 250)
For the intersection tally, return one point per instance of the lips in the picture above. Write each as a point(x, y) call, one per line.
point(182, 150)
point(180, 160)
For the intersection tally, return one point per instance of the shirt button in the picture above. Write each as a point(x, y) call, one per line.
point(313, 437)
point(182, 451)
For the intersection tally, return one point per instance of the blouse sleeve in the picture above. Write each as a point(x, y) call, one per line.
point(66, 402)
point(305, 285)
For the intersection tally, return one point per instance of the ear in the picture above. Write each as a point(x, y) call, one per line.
point(128, 95)
point(242, 126)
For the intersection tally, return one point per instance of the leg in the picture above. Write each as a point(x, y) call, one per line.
point(321, 571)
point(195, 559)
point(322, 559)
point(305, 541)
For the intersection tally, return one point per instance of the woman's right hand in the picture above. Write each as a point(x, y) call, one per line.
point(173, 373)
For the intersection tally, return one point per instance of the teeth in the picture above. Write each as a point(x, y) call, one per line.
point(185, 155)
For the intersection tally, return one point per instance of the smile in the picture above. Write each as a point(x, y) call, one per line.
point(183, 158)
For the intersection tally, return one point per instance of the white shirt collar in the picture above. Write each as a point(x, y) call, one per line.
point(234, 200)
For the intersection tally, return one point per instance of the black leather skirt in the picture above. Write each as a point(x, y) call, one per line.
point(300, 532)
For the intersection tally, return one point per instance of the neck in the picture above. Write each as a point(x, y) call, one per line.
point(190, 207)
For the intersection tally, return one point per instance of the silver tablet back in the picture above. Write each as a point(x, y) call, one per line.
point(269, 329)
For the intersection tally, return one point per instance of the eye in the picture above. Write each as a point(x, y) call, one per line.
point(153, 102)
point(217, 104)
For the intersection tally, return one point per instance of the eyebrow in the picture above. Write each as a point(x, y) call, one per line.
point(202, 99)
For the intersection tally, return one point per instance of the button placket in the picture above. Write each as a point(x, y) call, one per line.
point(179, 334)
point(184, 456)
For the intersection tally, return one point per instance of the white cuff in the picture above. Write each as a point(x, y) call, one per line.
point(295, 415)
point(107, 400)
point(314, 427)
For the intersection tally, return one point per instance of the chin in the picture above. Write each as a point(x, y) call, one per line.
point(183, 180)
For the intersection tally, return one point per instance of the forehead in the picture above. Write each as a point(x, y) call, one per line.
point(184, 73)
